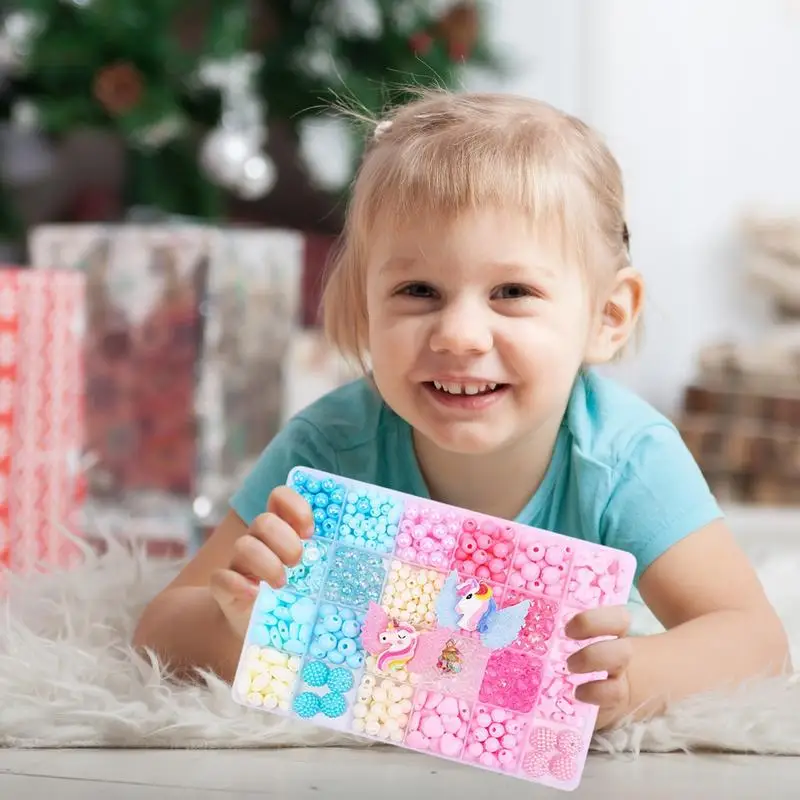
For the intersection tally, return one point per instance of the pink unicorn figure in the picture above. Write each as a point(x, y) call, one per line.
point(476, 606)
point(393, 642)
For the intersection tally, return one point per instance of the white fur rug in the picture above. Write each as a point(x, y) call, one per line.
point(68, 677)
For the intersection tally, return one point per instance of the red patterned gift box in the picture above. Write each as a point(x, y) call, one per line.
point(41, 416)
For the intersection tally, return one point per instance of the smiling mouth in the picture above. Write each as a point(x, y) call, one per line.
point(466, 389)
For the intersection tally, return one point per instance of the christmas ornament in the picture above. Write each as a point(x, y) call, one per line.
point(232, 154)
point(17, 32)
point(118, 88)
point(27, 156)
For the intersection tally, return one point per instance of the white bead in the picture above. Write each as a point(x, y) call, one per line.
point(391, 724)
point(378, 710)
point(402, 720)
point(405, 571)
point(270, 702)
point(405, 616)
point(358, 725)
point(260, 682)
point(294, 663)
point(379, 694)
point(252, 652)
point(254, 699)
point(405, 705)
point(396, 736)
point(372, 728)
point(395, 693)
point(360, 711)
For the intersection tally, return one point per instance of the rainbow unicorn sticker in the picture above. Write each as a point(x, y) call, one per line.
point(392, 642)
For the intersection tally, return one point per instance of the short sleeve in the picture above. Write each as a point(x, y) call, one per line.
point(658, 497)
point(298, 444)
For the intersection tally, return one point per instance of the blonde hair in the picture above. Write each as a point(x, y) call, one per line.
point(445, 153)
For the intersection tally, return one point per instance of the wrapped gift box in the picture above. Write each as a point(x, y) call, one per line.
point(41, 417)
point(192, 337)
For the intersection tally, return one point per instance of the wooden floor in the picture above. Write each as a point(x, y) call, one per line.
point(384, 774)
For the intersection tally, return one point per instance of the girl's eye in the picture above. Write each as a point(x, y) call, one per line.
point(418, 290)
point(514, 291)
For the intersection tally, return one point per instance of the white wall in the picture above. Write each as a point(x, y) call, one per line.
point(700, 101)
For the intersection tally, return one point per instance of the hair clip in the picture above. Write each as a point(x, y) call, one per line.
point(381, 128)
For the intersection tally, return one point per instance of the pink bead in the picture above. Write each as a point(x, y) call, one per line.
point(403, 539)
point(469, 525)
point(491, 745)
point(413, 723)
point(423, 559)
point(448, 706)
point(554, 555)
point(408, 553)
point(448, 543)
point(496, 730)
point(453, 528)
point(437, 559)
point(484, 720)
point(450, 745)
point(451, 724)
point(550, 576)
point(460, 555)
point(535, 552)
point(501, 549)
point(432, 726)
point(484, 541)
point(534, 586)
point(412, 512)
point(407, 526)
point(482, 571)
point(433, 699)
point(480, 556)
point(499, 715)
point(513, 727)
point(417, 741)
point(469, 545)
point(488, 760)
point(531, 571)
point(439, 531)
point(474, 750)
point(509, 741)
point(553, 591)
point(516, 581)
point(520, 560)
point(419, 532)
point(464, 710)
point(496, 566)
point(463, 730)
point(467, 567)
point(427, 545)
point(506, 757)
point(481, 734)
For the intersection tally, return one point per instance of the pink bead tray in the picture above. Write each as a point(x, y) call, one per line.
point(432, 628)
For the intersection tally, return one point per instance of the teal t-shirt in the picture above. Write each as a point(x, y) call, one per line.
point(620, 474)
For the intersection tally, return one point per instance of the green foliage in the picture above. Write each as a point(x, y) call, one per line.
point(311, 59)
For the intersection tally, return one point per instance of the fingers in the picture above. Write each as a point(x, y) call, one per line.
point(289, 506)
point(279, 536)
point(253, 558)
point(611, 693)
point(610, 656)
point(603, 621)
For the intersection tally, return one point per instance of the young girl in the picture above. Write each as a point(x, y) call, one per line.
point(484, 271)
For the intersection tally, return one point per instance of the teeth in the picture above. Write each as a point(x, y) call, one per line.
point(465, 388)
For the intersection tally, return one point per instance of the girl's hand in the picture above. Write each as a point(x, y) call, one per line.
point(610, 655)
point(273, 542)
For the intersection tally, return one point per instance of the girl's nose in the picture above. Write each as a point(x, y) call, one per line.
point(462, 328)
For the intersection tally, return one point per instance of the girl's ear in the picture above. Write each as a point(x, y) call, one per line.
point(617, 318)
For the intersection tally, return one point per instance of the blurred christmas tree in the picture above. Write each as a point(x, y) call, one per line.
point(195, 89)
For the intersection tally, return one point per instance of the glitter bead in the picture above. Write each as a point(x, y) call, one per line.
point(355, 577)
point(512, 680)
point(333, 704)
point(320, 495)
point(340, 680)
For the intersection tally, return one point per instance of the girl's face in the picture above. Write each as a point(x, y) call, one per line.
point(476, 330)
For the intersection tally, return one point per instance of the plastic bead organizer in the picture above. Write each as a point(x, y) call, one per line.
point(433, 628)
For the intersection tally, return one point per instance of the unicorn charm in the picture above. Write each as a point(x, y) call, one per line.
point(394, 643)
point(469, 605)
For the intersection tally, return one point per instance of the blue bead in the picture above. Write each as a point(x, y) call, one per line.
point(333, 510)
point(347, 646)
point(355, 661)
point(320, 515)
point(329, 526)
point(309, 498)
point(303, 610)
point(333, 705)
point(295, 646)
point(321, 500)
point(315, 673)
point(328, 485)
point(350, 509)
point(333, 623)
point(306, 704)
point(327, 608)
point(337, 496)
point(312, 485)
point(267, 601)
point(335, 657)
point(305, 633)
point(350, 628)
point(317, 652)
point(299, 478)
point(347, 613)
point(283, 629)
point(275, 638)
point(269, 619)
point(327, 641)
point(340, 680)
